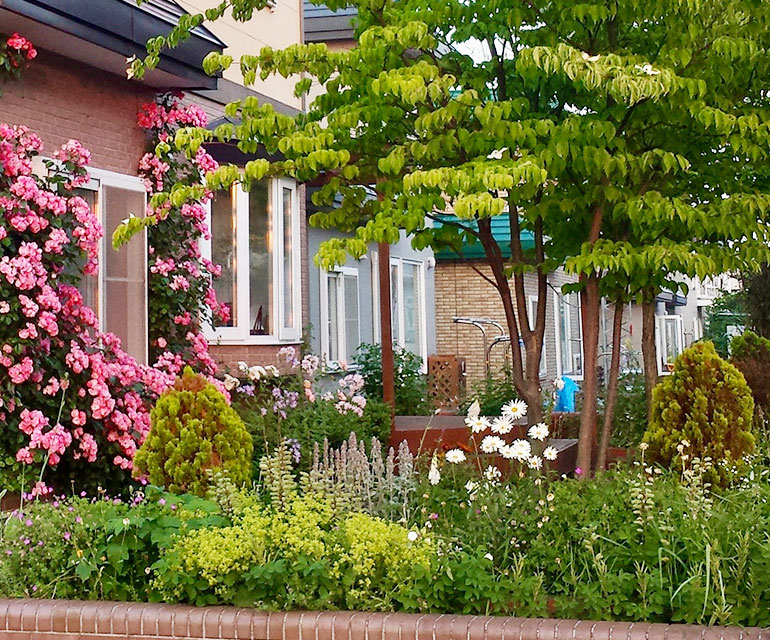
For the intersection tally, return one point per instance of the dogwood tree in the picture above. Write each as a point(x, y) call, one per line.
point(611, 130)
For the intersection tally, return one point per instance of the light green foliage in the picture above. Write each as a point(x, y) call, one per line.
point(751, 355)
point(194, 430)
point(300, 556)
point(707, 404)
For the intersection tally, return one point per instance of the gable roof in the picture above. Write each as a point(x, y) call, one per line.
point(321, 24)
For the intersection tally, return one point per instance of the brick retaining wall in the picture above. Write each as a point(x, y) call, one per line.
point(33, 619)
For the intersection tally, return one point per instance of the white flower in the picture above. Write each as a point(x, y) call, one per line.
point(434, 475)
point(588, 57)
point(412, 536)
point(455, 456)
point(644, 446)
point(473, 410)
point(231, 382)
point(126, 522)
point(489, 557)
point(648, 69)
point(550, 453)
point(471, 487)
point(535, 462)
point(272, 370)
point(497, 154)
point(492, 474)
point(502, 425)
point(256, 372)
point(520, 450)
point(538, 431)
point(506, 451)
point(242, 366)
point(492, 444)
point(477, 424)
point(515, 409)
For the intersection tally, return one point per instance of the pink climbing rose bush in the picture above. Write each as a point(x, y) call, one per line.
point(71, 401)
point(181, 292)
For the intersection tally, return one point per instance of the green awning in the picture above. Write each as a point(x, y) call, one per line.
point(501, 232)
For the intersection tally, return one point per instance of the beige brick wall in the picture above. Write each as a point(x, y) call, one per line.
point(461, 291)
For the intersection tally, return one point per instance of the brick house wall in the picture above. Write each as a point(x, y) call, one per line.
point(60, 99)
point(461, 291)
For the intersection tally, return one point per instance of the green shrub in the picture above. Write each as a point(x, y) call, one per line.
point(300, 557)
point(410, 382)
point(194, 430)
point(84, 549)
point(751, 354)
point(491, 394)
point(707, 404)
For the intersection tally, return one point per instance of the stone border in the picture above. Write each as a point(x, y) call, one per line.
point(70, 620)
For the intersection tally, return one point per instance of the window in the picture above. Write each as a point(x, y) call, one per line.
point(340, 325)
point(118, 293)
point(407, 300)
point(669, 337)
point(255, 238)
point(532, 311)
point(569, 337)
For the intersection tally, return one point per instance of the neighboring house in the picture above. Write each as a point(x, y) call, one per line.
point(345, 302)
point(77, 88)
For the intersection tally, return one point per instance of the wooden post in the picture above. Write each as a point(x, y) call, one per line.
point(386, 332)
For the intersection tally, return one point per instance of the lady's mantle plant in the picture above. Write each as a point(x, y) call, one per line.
point(181, 295)
point(70, 399)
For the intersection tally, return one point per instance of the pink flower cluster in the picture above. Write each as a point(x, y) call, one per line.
point(21, 45)
point(53, 359)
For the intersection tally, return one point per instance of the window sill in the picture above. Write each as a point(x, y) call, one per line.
point(251, 341)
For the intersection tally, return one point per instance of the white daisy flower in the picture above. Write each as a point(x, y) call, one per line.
point(477, 424)
point(471, 487)
point(434, 475)
point(515, 409)
point(473, 410)
point(535, 462)
point(550, 453)
point(538, 431)
point(502, 425)
point(521, 450)
point(489, 557)
point(492, 444)
point(455, 456)
point(412, 536)
point(492, 474)
point(506, 451)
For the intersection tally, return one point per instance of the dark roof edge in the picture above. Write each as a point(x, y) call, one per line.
point(229, 91)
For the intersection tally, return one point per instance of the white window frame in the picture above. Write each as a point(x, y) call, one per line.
point(240, 332)
point(99, 178)
point(571, 352)
point(532, 312)
point(660, 337)
point(341, 329)
point(400, 262)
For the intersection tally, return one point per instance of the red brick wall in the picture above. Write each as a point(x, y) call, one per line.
point(227, 355)
point(61, 99)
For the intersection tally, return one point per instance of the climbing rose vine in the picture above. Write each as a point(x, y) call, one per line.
point(180, 278)
point(15, 52)
point(72, 403)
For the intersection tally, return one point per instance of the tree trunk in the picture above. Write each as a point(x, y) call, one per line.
point(612, 386)
point(386, 334)
point(590, 321)
point(649, 352)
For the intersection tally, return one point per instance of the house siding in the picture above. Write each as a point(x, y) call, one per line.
point(60, 99)
point(461, 291)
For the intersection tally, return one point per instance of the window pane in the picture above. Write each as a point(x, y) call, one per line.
point(288, 258)
point(565, 350)
point(223, 252)
point(125, 274)
point(395, 305)
point(352, 335)
point(333, 328)
point(411, 302)
point(88, 285)
point(260, 260)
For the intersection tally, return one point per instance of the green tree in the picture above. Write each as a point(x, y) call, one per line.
point(618, 133)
